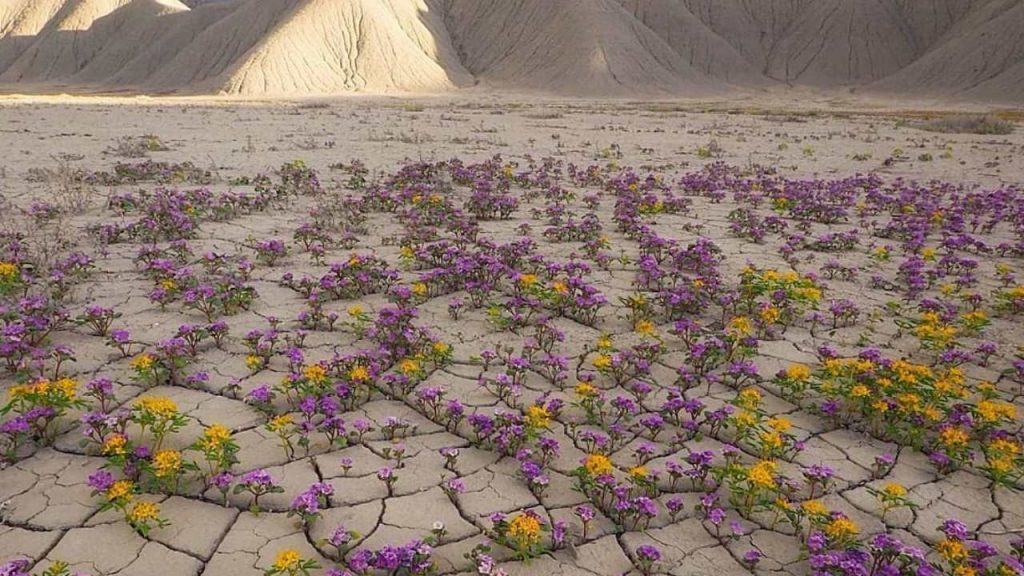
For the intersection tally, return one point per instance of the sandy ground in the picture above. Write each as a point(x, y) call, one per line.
point(50, 515)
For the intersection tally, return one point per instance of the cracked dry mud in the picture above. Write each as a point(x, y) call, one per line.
point(52, 515)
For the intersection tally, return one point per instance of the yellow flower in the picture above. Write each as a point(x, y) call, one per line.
point(954, 436)
point(253, 362)
point(953, 551)
point(166, 463)
point(771, 440)
point(441, 348)
point(860, 391)
point(597, 464)
point(121, 490)
point(67, 386)
point(114, 445)
point(157, 406)
point(638, 472)
point(740, 327)
point(745, 419)
point(215, 436)
point(287, 560)
point(770, 315)
point(762, 474)
point(525, 528)
point(586, 390)
point(780, 423)
point(1000, 464)
point(894, 490)
point(815, 508)
point(560, 287)
point(602, 361)
point(8, 271)
point(993, 410)
point(1004, 445)
point(144, 511)
point(841, 527)
point(142, 362)
point(537, 417)
point(419, 288)
point(645, 328)
point(355, 310)
point(928, 254)
point(604, 343)
point(527, 280)
point(798, 372)
point(407, 252)
point(168, 284)
point(359, 374)
point(278, 423)
point(409, 366)
point(749, 398)
point(315, 372)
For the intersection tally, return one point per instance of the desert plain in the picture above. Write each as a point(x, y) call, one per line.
point(474, 335)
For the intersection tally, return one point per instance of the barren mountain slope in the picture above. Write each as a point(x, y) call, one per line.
point(329, 46)
point(982, 55)
point(589, 47)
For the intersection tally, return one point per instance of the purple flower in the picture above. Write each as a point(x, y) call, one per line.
point(648, 553)
point(101, 480)
point(585, 513)
point(954, 529)
point(752, 556)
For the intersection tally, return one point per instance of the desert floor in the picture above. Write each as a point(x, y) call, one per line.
point(50, 511)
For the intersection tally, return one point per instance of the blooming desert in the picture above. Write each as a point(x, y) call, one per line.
point(511, 359)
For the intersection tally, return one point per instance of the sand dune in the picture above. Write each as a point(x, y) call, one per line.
point(964, 48)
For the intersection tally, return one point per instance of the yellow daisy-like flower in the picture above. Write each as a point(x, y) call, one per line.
point(215, 436)
point(114, 445)
point(287, 560)
point(560, 287)
point(315, 373)
point(895, 490)
point(586, 390)
point(419, 289)
point(527, 280)
point(441, 347)
point(8, 271)
point(158, 406)
point(749, 398)
point(537, 417)
point(142, 362)
point(762, 474)
point(815, 508)
point(597, 464)
point(953, 551)
point(954, 436)
point(166, 463)
point(770, 315)
point(638, 472)
point(144, 511)
point(645, 328)
point(798, 372)
point(252, 362)
point(278, 423)
point(841, 527)
point(121, 490)
point(409, 366)
point(780, 423)
point(860, 391)
point(355, 309)
point(602, 361)
point(525, 528)
point(604, 343)
point(359, 374)
point(740, 327)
